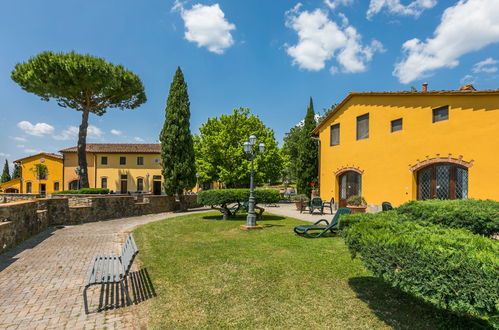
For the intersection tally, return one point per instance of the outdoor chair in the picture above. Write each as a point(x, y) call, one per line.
point(329, 204)
point(303, 230)
point(386, 206)
point(316, 204)
point(305, 204)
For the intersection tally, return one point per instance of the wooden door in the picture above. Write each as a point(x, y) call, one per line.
point(350, 185)
point(43, 188)
point(124, 187)
point(156, 187)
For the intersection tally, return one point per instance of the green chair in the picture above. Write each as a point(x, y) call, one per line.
point(304, 229)
point(316, 204)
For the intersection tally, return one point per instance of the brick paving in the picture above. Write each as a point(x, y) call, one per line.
point(289, 210)
point(41, 280)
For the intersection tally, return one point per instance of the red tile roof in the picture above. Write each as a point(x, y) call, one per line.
point(49, 154)
point(143, 148)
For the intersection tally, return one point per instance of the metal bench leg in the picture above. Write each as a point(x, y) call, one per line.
point(85, 299)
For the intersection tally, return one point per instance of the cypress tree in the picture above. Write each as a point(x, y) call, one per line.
point(177, 148)
point(307, 171)
point(17, 171)
point(5, 173)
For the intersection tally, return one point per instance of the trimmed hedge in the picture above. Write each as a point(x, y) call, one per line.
point(89, 191)
point(227, 196)
point(478, 216)
point(449, 268)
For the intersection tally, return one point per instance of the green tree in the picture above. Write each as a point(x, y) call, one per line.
point(307, 166)
point(17, 171)
point(220, 155)
point(81, 82)
point(290, 148)
point(6, 173)
point(177, 148)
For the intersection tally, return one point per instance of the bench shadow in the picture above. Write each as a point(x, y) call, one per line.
point(8, 257)
point(140, 289)
point(403, 311)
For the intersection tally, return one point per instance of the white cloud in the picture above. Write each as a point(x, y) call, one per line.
point(2, 154)
point(468, 26)
point(138, 139)
point(415, 8)
point(72, 133)
point(206, 26)
point(18, 138)
point(488, 65)
point(116, 132)
point(335, 3)
point(467, 79)
point(38, 129)
point(20, 146)
point(320, 39)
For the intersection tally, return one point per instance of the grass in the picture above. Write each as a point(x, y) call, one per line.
point(212, 274)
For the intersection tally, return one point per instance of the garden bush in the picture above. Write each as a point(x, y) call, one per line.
point(84, 191)
point(450, 268)
point(478, 216)
point(227, 196)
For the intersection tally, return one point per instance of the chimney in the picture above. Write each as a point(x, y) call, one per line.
point(425, 87)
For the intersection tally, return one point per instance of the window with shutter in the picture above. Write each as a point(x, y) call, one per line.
point(396, 125)
point(335, 134)
point(363, 127)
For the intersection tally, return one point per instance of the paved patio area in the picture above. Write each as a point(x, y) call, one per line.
point(289, 210)
point(41, 280)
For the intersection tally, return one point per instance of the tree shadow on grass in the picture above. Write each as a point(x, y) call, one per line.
point(242, 217)
point(403, 311)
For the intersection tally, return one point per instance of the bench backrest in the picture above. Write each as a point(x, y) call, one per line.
point(336, 219)
point(128, 253)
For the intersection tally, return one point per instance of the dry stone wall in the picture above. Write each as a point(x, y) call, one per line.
point(21, 220)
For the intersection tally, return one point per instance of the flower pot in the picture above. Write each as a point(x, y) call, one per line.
point(298, 205)
point(357, 209)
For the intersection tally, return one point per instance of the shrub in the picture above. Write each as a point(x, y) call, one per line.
point(449, 268)
point(348, 220)
point(356, 201)
point(299, 197)
point(478, 216)
point(227, 196)
point(85, 191)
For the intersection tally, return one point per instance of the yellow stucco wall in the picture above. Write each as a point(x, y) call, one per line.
point(29, 174)
point(472, 131)
point(12, 184)
point(113, 170)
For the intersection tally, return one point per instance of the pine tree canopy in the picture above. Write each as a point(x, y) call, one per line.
point(177, 147)
point(6, 173)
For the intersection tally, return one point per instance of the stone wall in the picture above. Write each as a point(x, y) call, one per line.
point(7, 198)
point(21, 220)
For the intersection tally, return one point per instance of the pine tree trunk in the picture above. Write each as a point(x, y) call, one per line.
point(82, 145)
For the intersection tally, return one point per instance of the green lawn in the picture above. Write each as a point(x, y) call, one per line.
point(212, 274)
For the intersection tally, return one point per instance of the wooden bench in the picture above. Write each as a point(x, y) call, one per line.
point(112, 269)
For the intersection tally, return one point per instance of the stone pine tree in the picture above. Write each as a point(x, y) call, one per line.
point(307, 172)
point(5, 173)
point(177, 147)
point(83, 83)
point(17, 171)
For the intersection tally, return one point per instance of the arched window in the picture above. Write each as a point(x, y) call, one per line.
point(350, 184)
point(140, 184)
point(443, 181)
point(28, 187)
point(74, 185)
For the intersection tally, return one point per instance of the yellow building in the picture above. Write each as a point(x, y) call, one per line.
point(401, 146)
point(120, 167)
point(40, 174)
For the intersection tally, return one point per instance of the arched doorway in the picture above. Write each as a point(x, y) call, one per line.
point(350, 184)
point(443, 181)
point(74, 185)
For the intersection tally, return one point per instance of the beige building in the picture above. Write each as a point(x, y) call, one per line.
point(119, 167)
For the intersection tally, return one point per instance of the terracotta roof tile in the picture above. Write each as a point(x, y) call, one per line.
point(143, 148)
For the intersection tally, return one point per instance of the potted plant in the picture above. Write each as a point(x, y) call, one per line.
point(299, 200)
point(357, 204)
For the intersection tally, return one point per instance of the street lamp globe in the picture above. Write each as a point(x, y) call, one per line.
point(261, 147)
point(247, 147)
point(252, 139)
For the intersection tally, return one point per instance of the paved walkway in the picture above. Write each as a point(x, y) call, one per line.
point(41, 280)
point(289, 210)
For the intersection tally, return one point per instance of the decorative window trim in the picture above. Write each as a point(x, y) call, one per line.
point(438, 159)
point(347, 169)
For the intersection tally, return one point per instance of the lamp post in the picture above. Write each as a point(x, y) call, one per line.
point(249, 149)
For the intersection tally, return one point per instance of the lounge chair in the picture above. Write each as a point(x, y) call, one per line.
point(304, 229)
point(386, 206)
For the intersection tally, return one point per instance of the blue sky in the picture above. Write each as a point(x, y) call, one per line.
point(269, 56)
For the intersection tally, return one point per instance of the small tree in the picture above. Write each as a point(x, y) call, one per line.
point(307, 154)
point(177, 147)
point(17, 171)
point(5, 173)
point(81, 82)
